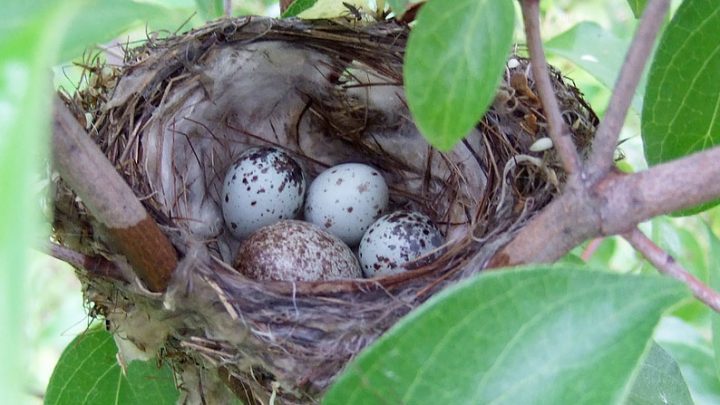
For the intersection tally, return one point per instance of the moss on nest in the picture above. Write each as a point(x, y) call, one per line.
point(173, 118)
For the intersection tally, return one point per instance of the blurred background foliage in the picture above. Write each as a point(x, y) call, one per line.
point(53, 314)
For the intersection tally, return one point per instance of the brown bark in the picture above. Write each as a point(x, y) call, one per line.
point(111, 201)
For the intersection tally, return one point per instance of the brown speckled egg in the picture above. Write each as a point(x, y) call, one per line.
point(295, 251)
point(396, 239)
point(263, 186)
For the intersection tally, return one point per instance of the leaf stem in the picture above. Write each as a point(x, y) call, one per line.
point(561, 137)
point(667, 265)
point(606, 137)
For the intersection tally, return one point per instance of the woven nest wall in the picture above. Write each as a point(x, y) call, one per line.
point(181, 109)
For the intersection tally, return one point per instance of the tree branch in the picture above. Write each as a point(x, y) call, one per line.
point(227, 8)
point(111, 201)
point(614, 205)
point(666, 264)
point(606, 137)
point(560, 135)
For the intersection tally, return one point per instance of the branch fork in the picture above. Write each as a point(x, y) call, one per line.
point(599, 200)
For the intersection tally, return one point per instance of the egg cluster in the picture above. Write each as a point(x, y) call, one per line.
point(263, 194)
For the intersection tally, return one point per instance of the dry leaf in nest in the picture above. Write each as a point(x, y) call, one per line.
point(184, 108)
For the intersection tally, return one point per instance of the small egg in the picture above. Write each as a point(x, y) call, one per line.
point(263, 186)
point(346, 199)
point(396, 239)
point(295, 251)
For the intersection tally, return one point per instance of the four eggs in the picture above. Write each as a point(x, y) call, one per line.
point(265, 190)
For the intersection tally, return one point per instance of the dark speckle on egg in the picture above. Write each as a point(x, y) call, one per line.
point(396, 239)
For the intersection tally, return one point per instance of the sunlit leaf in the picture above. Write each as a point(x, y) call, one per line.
point(454, 62)
point(714, 282)
point(399, 6)
point(681, 114)
point(597, 51)
point(104, 20)
point(297, 7)
point(659, 381)
point(551, 335)
point(210, 9)
point(694, 356)
point(637, 7)
point(25, 59)
point(88, 373)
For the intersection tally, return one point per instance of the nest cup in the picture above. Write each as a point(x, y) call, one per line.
point(180, 110)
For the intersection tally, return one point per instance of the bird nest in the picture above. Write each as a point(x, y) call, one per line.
point(178, 112)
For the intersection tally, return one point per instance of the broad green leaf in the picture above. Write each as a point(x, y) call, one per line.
point(694, 355)
point(681, 114)
point(104, 20)
point(553, 335)
point(297, 7)
point(659, 381)
point(453, 64)
point(714, 282)
point(88, 373)
point(637, 7)
point(597, 51)
point(25, 60)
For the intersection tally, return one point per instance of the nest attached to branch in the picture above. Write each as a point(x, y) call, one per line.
point(181, 110)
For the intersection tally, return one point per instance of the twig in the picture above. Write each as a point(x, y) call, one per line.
point(607, 134)
point(95, 265)
point(591, 248)
point(227, 8)
point(666, 264)
point(561, 137)
point(613, 206)
point(111, 201)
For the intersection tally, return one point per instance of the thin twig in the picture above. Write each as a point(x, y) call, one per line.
point(666, 264)
point(559, 133)
point(606, 137)
point(227, 9)
point(591, 248)
point(95, 265)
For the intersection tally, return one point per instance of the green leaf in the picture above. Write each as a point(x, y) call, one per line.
point(682, 103)
point(210, 9)
point(637, 7)
point(297, 7)
point(88, 373)
point(597, 51)
point(454, 61)
point(551, 335)
point(693, 354)
point(714, 281)
point(659, 381)
point(26, 54)
point(104, 20)
point(399, 6)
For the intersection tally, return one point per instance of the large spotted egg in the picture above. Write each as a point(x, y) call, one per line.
point(263, 186)
point(295, 251)
point(396, 239)
point(346, 199)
